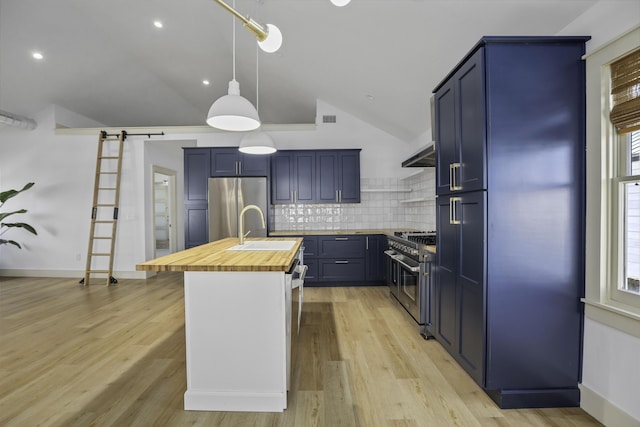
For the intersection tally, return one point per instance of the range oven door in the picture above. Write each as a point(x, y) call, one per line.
point(409, 286)
point(393, 268)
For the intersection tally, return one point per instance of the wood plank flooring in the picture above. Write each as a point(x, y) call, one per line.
point(114, 356)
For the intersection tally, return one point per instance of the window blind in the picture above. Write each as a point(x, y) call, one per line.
point(625, 92)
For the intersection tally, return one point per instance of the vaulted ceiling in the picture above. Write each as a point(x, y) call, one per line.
point(375, 59)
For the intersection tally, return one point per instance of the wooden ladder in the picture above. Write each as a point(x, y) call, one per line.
point(106, 195)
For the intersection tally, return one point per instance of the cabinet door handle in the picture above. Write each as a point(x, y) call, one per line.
point(454, 202)
point(342, 262)
point(239, 167)
point(337, 196)
point(454, 177)
point(366, 245)
point(340, 196)
point(342, 238)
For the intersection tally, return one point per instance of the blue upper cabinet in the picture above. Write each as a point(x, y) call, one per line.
point(315, 176)
point(338, 176)
point(460, 129)
point(228, 161)
point(292, 177)
point(196, 173)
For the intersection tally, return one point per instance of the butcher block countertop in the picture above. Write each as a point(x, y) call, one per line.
point(214, 256)
point(332, 232)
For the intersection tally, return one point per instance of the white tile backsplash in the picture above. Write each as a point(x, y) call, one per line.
point(380, 208)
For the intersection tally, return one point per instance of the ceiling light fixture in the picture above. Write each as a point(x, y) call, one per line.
point(257, 142)
point(157, 24)
point(340, 3)
point(206, 82)
point(37, 55)
point(269, 38)
point(233, 112)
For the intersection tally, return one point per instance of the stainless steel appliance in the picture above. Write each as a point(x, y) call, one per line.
point(408, 275)
point(227, 197)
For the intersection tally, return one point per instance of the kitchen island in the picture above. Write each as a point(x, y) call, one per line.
point(237, 323)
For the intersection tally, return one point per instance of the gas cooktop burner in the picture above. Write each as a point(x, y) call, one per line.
point(425, 239)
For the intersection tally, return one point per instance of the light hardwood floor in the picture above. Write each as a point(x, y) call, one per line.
point(115, 356)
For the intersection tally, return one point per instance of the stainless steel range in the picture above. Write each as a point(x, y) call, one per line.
point(408, 274)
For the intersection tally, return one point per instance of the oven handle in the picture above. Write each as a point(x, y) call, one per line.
point(414, 269)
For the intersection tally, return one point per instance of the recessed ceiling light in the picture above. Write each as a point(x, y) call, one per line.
point(157, 24)
point(206, 82)
point(37, 55)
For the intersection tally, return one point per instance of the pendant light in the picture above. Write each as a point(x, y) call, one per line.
point(269, 36)
point(340, 3)
point(232, 112)
point(257, 141)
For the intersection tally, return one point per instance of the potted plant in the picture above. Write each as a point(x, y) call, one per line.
point(5, 226)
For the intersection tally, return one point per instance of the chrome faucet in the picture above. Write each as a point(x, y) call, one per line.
point(241, 221)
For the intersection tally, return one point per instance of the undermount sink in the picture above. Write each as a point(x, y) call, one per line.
point(264, 245)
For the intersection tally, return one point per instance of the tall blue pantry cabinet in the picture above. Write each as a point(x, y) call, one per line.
point(510, 185)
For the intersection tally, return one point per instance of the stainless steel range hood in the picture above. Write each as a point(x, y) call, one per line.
point(425, 157)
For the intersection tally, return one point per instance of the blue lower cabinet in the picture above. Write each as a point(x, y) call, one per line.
point(338, 259)
point(312, 270)
point(341, 270)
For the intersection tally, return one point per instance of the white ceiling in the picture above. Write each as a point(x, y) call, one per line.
point(106, 60)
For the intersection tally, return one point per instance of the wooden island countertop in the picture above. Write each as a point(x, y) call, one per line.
point(214, 256)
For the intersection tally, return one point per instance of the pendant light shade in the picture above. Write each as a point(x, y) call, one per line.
point(233, 112)
point(340, 3)
point(273, 41)
point(257, 142)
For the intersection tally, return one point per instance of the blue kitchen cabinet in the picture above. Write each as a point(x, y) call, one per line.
point(310, 256)
point(459, 284)
point(197, 164)
point(460, 117)
point(341, 270)
point(338, 178)
point(201, 163)
point(350, 260)
point(315, 176)
point(341, 258)
point(196, 174)
point(292, 177)
point(509, 273)
point(196, 225)
point(375, 245)
point(228, 161)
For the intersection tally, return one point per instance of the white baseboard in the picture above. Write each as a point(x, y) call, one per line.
point(72, 274)
point(603, 410)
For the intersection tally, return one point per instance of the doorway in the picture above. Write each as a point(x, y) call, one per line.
point(164, 211)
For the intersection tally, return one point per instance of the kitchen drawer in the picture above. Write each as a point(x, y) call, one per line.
point(341, 247)
point(343, 269)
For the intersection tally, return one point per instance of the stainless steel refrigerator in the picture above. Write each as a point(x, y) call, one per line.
point(227, 198)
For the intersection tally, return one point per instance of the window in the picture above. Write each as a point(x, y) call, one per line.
point(625, 117)
point(628, 183)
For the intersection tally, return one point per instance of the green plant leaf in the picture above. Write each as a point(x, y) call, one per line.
point(6, 214)
point(10, 242)
point(21, 225)
point(6, 195)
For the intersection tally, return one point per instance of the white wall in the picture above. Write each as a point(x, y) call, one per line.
point(63, 166)
point(611, 373)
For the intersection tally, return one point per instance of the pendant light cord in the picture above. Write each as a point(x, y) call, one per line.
point(234, 42)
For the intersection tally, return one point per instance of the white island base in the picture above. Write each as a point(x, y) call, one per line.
point(237, 340)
